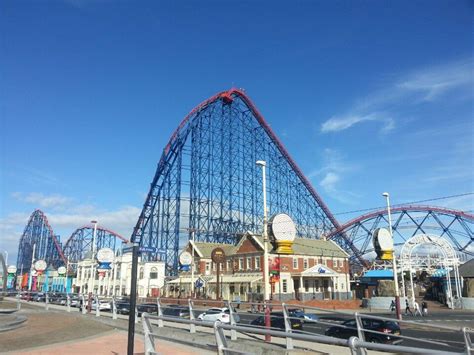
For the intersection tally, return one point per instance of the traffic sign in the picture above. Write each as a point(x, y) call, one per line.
point(147, 250)
point(199, 283)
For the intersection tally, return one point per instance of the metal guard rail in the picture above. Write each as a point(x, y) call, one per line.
point(356, 345)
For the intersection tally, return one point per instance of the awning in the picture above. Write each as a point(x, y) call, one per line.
point(319, 270)
point(244, 278)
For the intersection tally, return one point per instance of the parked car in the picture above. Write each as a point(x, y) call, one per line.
point(299, 313)
point(218, 314)
point(38, 297)
point(277, 320)
point(151, 308)
point(123, 307)
point(389, 331)
point(176, 310)
point(103, 305)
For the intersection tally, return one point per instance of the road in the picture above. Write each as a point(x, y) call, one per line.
point(442, 339)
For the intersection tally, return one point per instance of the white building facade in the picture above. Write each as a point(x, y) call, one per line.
point(117, 280)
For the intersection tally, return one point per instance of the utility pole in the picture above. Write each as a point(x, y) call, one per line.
point(133, 300)
point(30, 279)
point(394, 261)
point(94, 251)
point(266, 288)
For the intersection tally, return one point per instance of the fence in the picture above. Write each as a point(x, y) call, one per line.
point(184, 312)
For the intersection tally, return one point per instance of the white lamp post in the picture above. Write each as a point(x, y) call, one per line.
point(266, 284)
point(263, 164)
point(395, 274)
point(94, 250)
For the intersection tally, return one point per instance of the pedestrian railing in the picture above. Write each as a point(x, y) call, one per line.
point(355, 344)
point(191, 308)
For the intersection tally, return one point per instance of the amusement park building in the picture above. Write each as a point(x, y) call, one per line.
point(117, 281)
point(318, 269)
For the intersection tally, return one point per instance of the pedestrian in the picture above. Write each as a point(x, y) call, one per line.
point(424, 308)
point(392, 306)
point(416, 307)
point(407, 308)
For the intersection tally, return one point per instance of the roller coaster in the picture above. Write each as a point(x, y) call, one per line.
point(38, 237)
point(207, 183)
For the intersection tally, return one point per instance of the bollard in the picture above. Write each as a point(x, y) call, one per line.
point(114, 308)
point(160, 312)
point(68, 302)
point(46, 301)
point(192, 327)
point(287, 321)
point(97, 306)
point(360, 333)
point(233, 333)
point(83, 306)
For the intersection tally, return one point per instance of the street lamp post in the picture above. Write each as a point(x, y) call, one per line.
point(192, 263)
point(394, 261)
point(266, 285)
point(94, 250)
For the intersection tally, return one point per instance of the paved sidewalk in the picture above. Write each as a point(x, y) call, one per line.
point(110, 343)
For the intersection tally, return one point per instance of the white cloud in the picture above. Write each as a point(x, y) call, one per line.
point(43, 201)
point(427, 84)
point(332, 173)
point(335, 124)
point(329, 181)
point(436, 81)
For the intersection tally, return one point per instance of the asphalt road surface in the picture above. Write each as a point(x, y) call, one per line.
point(439, 339)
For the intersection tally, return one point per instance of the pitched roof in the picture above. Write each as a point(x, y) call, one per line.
point(466, 269)
point(314, 247)
point(207, 248)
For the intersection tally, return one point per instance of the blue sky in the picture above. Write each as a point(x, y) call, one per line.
point(367, 97)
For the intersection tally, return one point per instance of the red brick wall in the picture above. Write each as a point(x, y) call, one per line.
point(248, 247)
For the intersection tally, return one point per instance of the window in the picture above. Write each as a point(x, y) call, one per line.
point(241, 263)
point(341, 263)
point(295, 263)
point(142, 272)
point(257, 263)
point(342, 286)
point(213, 266)
point(249, 263)
point(306, 285)
point(305, 263)
point(229, 265)
point(285, 286)
point(208, 266)
point(154, 273)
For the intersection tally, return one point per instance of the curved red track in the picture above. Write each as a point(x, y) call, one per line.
point(413, 208)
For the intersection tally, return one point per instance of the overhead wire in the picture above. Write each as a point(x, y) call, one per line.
point(406, 203)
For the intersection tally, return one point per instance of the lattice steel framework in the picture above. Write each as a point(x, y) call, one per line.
point(48, 246)
point(79, 244)
point(207, 181)
point(408, 221)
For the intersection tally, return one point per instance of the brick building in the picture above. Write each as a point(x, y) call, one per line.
point(318, 269)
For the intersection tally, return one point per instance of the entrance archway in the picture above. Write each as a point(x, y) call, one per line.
point(427, 262)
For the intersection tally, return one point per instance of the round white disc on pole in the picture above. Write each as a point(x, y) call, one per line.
point(105, 255)
point(185, 258)
point(283, 227)
point(40, 265)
